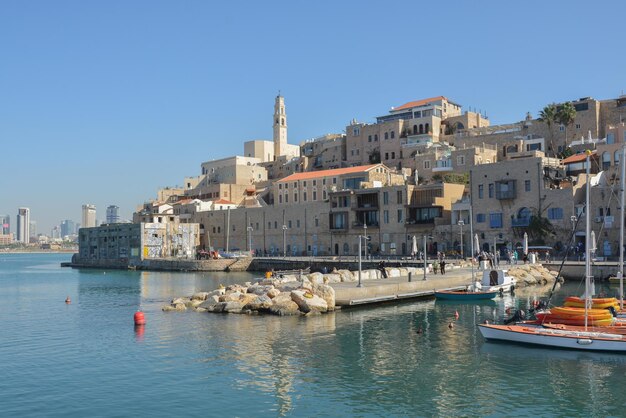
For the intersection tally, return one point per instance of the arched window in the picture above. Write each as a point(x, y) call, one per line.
point(282, 121)
point(414, 129)
point(606, 160)
point(386, 135)
point(459, 126)
point(523, 213)
point(426, 128)
point(616, 157)
point(276, 121)
point(346, 248)
point(421, 128)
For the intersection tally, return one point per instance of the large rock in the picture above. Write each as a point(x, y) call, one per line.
point(259, 289)
point(236, 288)
point(218, 307)
point(289, 286)
point(272, 293)
point(331, 278)
point(260, 303)
point(327, 293)
point(308, 302)
point(178, 307)
point(315, 278)
point(180, 300)
point(283, 305)
point(217, 292)
point(393, 272)
point(346, 275)
point(229, 297)
point(234, 306)
point(200, 296)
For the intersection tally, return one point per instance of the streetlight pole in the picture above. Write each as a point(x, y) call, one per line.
point(359, 284)
point(249, 229)
point(461, 223)
point(365, 235)
point(284, 241)
point(425, 266)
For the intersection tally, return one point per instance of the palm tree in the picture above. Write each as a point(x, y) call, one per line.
point(565, 116)
point(548, 115)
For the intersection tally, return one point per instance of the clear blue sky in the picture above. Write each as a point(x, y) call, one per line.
point(104, 102)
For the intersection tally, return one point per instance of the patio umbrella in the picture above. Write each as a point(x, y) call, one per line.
point(525, 243)
point(592, 244)
point(414, 246)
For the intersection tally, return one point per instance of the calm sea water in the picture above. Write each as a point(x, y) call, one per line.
point(87, 359)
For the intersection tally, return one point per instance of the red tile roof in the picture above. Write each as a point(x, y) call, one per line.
point(224, 202)
point(327, 173)
point(576, 158)
point(416, 103)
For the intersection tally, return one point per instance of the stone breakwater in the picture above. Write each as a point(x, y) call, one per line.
point(306, 294)
point(532, 275)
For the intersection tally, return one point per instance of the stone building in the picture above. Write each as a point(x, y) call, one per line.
point(507, 194)
point(325, 152)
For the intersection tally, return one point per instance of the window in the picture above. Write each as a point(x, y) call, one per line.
point(481, 191)
point(297, 223)
point(426, 165)
point(400, 215)
point(369, 138)
point(233, 228)
point(610, 138)
point(578, 126)
point(280, 198)
point(386, 156)
point(399, 197)
point(286, 198)
point(219, 229)
point(275, 225)
point(317, 222)
point(393, 155)
point(324, 194)
point(295, 197)
point(495, 220)
point(386, 135)
point(323, 182)
point(280, 187)
point(356, 131)
point(386, 216)
point(480, 218)
point(606, 160)
point(304, 183)
point(304, 196)
point(526, 185)
point(555, 213)
point(314, 182)
point(314, 195)
point(561, 128)
point(491, 188)
point(385, 198)
point(393, 134)
point(334, 180)
point(375, 137)
point(460, 160)
point(616, 157)
point(269, 226)
point(289, 224)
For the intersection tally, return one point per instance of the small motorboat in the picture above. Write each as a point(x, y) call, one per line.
point(465, 294)
point(497, 280)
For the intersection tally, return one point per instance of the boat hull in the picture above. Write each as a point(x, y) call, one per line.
point(464, 295)
point(589, 341)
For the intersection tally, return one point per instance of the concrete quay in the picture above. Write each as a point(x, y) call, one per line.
point(397, 288)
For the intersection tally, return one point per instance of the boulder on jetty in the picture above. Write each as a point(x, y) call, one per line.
point(308, 302)
point(532, 275)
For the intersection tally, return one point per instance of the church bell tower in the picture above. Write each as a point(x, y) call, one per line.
point(280, 127)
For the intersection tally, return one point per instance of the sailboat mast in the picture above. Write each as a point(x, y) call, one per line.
point(620, 269)
point(472, 240)
point(587, 238)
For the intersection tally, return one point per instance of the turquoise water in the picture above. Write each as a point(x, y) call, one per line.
point(87, 359)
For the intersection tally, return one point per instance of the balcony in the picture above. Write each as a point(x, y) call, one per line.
point(442, 169)
point(359, 224)
point(505, 189)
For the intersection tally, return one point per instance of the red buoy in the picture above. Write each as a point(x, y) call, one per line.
point(68, 300)
point(139, 318)
point(456, 314)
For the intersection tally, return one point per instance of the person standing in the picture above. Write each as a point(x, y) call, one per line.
point(442, 266)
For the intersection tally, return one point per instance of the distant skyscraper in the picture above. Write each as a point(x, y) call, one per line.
point(23, 225)
point(113, 214)
point(56, 232)
point(67, 228)
point(89, 216)
point(33, 228)
point(5, 224)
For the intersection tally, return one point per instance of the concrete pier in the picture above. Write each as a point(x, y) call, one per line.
point(376, 291)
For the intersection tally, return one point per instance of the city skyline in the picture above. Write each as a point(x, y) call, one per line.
point(147, 105)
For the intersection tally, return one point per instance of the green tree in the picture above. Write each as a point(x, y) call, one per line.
point(565, 115)
point(374, 156)
point(538, 228)
point(548, 115)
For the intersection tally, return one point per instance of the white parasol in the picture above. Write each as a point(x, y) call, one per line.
point(525, 243)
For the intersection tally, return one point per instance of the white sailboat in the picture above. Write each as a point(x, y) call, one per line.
point(580, 340)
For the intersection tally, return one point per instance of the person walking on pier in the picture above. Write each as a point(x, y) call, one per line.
point(442, 266)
